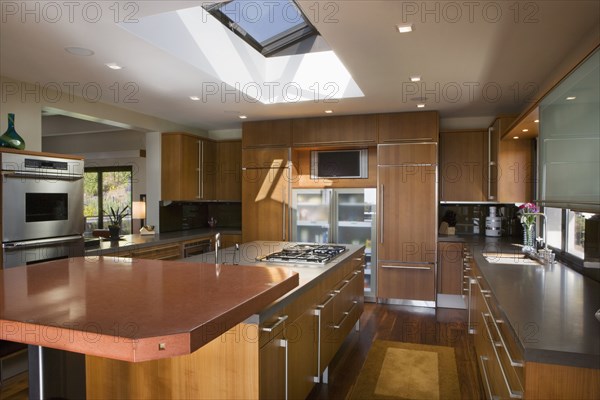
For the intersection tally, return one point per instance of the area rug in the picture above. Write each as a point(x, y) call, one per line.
point(397, 370)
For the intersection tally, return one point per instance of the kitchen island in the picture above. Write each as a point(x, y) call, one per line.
point(172, 329)
point(143, 313)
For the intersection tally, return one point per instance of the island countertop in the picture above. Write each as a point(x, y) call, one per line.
point(132, 309)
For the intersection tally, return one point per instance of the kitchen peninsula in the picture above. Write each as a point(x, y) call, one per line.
point(172, 329)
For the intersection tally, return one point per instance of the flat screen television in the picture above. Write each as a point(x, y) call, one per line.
point(339, 164)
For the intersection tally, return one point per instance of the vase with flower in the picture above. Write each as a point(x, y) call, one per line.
point(528, 221)
point(115, 218)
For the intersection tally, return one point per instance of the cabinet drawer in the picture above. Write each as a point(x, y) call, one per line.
point(406, 281)
point(271, 327)
point(166, 252)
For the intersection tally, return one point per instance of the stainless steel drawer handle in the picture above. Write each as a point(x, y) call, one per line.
point(346, 315)
point(484, 359)
point(324, 304)
point(275, 325)
point(512, 393)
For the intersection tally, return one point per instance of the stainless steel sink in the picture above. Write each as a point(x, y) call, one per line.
point(510, 259)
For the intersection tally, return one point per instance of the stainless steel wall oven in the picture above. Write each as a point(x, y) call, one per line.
point(42, 208)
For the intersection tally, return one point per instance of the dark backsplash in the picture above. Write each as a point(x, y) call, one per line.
point(469, 217)
point(182, 216)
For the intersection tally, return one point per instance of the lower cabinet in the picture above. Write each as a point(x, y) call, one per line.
point(298, 341)
point(161, 252)
point(504, 371)
point(450, 268)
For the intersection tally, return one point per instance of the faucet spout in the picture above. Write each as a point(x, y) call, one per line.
point(217, 246)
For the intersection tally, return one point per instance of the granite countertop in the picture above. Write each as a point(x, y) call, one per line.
point(137, 241)
point(549, 307)
point(132, 309)
point(248, 252)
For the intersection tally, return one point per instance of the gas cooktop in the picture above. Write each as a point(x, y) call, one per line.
point(319, 254)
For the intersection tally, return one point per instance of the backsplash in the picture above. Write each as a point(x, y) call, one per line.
point(182, 216)
point(470, 218)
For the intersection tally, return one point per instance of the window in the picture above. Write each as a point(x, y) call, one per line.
point(268, 26)
point(106, 187)
point(576, 233)
point(554, 229)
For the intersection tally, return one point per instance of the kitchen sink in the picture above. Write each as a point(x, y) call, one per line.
point(510, 259)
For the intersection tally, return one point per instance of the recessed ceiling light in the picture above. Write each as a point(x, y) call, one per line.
point(406, 28)
point(571, 98)
point(537, 121)
point(420, 105)
point(515, 137)
point(114, 66)
point(243, 117)
point(328, 111)
point(195, 98)
point(415, 78)
point(79, 51)
point(525, 130)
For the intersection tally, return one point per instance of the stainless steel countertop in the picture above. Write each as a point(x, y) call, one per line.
point(138, 241)
point(308, 274)
point(549, 307)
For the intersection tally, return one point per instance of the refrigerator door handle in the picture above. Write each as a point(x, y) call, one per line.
point(381, 216)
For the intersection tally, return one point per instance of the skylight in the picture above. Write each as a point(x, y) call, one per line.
point(268, 26)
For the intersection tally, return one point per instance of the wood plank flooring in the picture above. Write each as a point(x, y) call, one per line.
point(444, 327)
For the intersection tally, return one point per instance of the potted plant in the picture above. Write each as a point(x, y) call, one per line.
point(115, 218)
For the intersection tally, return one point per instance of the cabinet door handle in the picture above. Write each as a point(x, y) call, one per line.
point(405, 267)
point(512, 393)
point(483, 360)
point(285, 344)
point(317, 378)
point(282, 211)
point(200, 169)
point(275, 325)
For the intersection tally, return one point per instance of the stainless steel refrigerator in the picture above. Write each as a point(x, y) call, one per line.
point(344, 216)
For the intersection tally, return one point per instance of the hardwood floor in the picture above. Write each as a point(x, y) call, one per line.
point(444, 327)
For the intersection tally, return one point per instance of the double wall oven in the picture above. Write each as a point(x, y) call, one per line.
point(42, 208)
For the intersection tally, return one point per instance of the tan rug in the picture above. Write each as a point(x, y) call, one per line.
point(396, 370)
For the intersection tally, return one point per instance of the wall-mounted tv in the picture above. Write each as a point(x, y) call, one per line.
point(339, 164)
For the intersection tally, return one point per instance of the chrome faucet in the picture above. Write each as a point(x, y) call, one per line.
point(217, 245)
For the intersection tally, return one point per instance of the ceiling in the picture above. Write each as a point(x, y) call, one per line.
point(477, 60)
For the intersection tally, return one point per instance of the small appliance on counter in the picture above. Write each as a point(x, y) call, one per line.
point(493, 224)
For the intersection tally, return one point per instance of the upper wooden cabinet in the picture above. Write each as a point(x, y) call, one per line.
point(265, 158)
point(344, 130)
point(229, 170)
point(462, 166)
point(179, 166)
point(276, 133)
point(420, 126)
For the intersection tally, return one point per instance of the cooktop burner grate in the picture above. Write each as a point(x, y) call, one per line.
point(305, 254)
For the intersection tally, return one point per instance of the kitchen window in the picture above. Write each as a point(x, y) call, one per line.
point(268, 26)
point(106, 187)
point(575, 236)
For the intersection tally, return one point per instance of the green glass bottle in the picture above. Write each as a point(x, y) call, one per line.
point(11, 138)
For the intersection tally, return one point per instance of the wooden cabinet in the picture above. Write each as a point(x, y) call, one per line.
point(229, 170)
point(188, 167)
point(171, 251)
point(299, 340)
point(360, 130)
point(265, 204)
point(407, 227)
point(275, 133)
point(462, 165)
point(266, 192)
point(179, 167)
point(408, 127)
point(450, 272)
